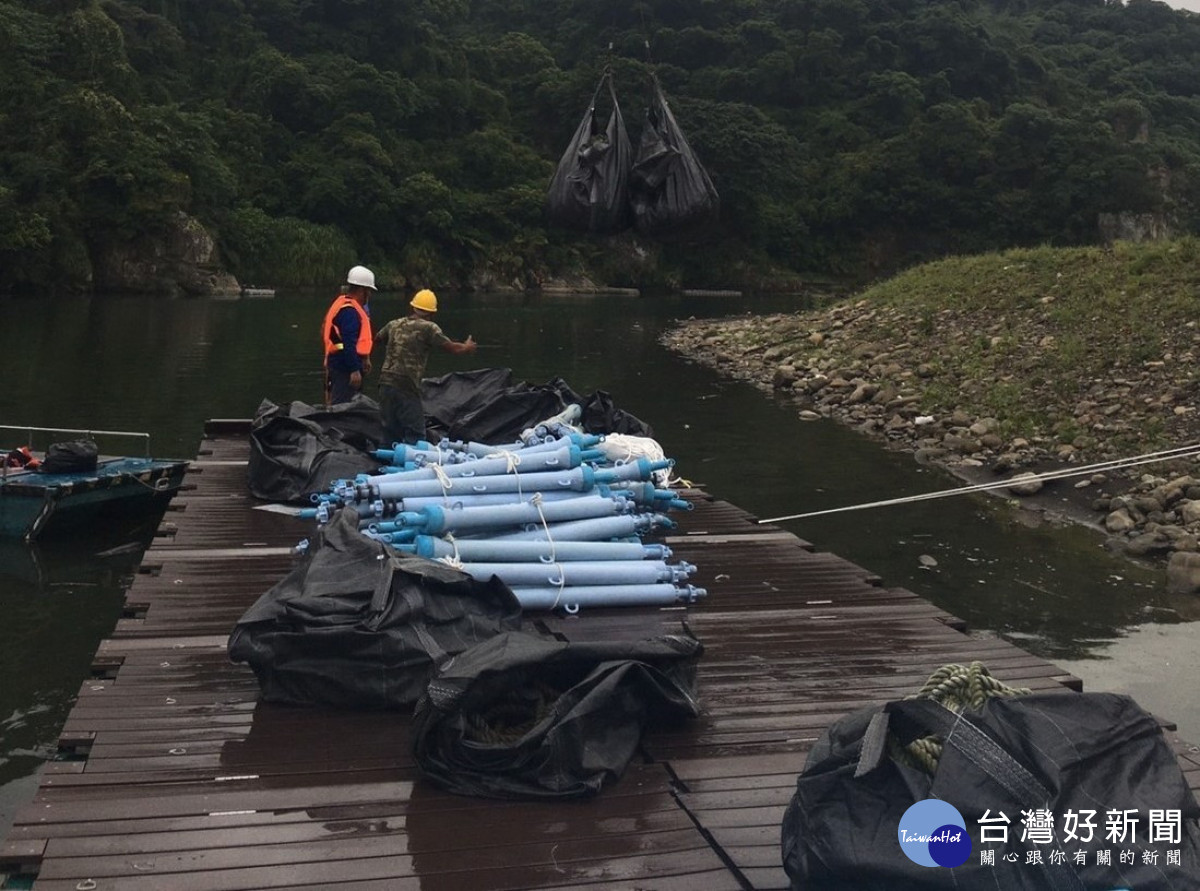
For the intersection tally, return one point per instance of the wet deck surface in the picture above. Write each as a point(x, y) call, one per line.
point(177, 777)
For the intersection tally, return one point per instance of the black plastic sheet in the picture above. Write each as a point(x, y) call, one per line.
point(489, 406)
point(670, 192)
point(485, 405)
point(589, 191)
point(356, 625)
point(297, 450)
point(602, 415)
point(1083, 752)
point(521, 716)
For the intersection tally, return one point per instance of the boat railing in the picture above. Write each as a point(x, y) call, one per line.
point(89, 433)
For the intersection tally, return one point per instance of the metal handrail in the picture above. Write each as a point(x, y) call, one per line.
point(90, 433)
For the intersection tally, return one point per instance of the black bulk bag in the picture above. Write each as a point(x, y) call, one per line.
point(73, 456)
point(297, 451)
point(1060, 752)
point(489, 405)
point(356, 625)
point(486, 405)
point(521, 716)
point(358, 422)
point(670, 192)
point(589, 191)
point(601, 415)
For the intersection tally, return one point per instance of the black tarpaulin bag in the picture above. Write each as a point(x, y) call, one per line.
point(521, 716)
point(1059, 752)
point(601, 415)
point(356, 625)
point(589, 191)
point(297, 450)
point(486, 405)
point(460, 394)
point(669, 190)
point(73, 456)
point(358, 422)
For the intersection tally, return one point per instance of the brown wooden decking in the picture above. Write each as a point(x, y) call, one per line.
point(179, 778)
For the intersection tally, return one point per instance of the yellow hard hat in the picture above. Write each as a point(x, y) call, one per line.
point(424, 299)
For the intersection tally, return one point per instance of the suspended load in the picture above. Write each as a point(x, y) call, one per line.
point(590, 189)
point(670, 192)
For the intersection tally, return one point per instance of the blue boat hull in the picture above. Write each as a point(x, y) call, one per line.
point(35, 504)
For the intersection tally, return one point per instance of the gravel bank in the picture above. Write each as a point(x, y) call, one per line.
point(915, 383)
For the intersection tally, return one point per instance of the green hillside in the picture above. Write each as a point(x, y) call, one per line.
point(846, 137)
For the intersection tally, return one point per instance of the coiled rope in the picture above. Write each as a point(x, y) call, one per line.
point(511, 716)
point(957, 688)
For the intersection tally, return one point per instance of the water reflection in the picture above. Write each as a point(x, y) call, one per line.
point(58, 599)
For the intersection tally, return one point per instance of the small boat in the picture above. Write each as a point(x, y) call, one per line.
point(36, 503)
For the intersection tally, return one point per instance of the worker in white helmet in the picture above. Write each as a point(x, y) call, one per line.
point(407, 343)
point(346, 334)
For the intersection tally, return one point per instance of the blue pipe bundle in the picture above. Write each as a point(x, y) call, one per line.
point(550, 515)
point(491, 550)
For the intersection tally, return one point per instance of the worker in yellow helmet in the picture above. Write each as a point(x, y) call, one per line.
point(407, 343)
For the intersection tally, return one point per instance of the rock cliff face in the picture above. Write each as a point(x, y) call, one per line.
point(182, 260)
point(1133, 227)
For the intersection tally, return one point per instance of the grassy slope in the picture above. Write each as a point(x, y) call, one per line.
point(1043, 338)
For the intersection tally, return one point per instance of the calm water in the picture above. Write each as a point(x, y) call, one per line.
point(165, 366)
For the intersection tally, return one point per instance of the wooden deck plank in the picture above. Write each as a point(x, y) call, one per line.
point(180, 777)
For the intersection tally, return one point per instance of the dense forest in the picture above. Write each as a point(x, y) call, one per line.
point(845, 137)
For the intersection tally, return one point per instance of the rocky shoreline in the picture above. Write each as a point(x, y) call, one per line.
point(875, 368)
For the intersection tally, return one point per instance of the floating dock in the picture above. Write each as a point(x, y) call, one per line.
point(174, 776)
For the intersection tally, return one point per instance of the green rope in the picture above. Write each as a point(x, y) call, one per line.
point(957, 688)
point(507, 719)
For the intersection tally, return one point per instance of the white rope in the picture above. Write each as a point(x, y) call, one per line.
point(512, 463)
point(621, 448)
point(443, 479)
point(562, 583)
point(1063, 473)
point(536, 501)
point(453, 559)
point(514, 460)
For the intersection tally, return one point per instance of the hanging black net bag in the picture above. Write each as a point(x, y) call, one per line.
point(670, 192)
point(590, 189)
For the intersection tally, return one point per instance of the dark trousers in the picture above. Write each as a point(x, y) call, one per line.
point(340, 388)
point(403, 415)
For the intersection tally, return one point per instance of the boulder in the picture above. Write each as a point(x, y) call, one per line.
point(1026, 483)
point(1189, 511)
point(785, 376)
point(1119, 521)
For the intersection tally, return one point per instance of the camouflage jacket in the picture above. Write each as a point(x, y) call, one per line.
point(406, 344)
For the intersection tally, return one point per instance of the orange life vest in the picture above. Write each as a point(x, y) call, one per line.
point(329, 328)
point(22, 458)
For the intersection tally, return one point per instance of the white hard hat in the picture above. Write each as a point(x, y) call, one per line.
point(361, 276)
